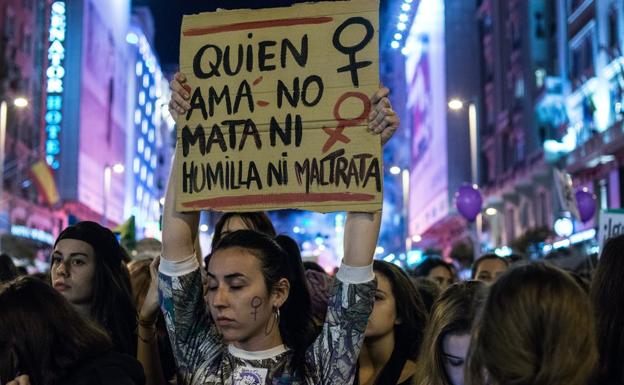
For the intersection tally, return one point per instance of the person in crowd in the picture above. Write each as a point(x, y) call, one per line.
point(429, 291)
point(154, 350)
point(230, 222)
point(536, 328)
point(607, 296)
point(45, 341)
point(257, 328)
point(489, 267)
point(447, 336)
point(395, 329)
point(438, 271)
point(8, 271)
point(87, 269)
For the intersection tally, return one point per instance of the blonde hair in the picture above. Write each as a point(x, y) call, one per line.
point(537, 328)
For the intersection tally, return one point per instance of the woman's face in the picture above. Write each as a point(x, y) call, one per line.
point(454, 352)
point(489, 270)
point(233, 224)
point(73, 270)
point(442, 276)
point(384, 316)
point(239, 302)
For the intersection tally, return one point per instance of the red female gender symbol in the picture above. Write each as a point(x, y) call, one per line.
point(336, 134)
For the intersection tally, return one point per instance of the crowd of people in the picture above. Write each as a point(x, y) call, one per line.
point(252, 312)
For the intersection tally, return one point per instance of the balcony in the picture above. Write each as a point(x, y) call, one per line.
point(582, 12)
point(502, 122)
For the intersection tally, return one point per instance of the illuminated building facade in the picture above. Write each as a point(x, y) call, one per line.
point(518, 53)
point(26, 222)
point(150, 141)
point(439, 64)
point(94, 111)
point(591, 140)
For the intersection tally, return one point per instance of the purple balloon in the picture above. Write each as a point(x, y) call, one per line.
point(586, 205)
point(468, 201)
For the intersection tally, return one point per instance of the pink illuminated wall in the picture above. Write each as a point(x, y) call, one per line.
point(103, 99)
point(426, 105)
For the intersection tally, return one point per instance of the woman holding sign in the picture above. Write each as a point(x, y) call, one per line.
point(251, 335)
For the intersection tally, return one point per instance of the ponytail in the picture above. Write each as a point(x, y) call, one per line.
point(296, 323)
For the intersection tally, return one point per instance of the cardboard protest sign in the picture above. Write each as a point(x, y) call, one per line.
point(610, 224)
point(280, 100)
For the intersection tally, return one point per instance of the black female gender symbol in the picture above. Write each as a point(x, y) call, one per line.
point(256, 302)
point(354, 65)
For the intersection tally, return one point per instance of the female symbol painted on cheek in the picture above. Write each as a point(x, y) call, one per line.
point(256, 302)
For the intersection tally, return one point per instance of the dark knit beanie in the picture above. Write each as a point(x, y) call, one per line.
point(103, 241)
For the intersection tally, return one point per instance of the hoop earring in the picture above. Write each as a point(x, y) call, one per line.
point(275, 321)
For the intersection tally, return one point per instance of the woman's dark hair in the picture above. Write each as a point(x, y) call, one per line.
point(311, 265)
point(280, 258)
point(429, 291)
point(257, 220)
point(536, 328)
point(409, 308)
point(485, 257)
point(453, 313)
point(8, 271)
point(112, 305)
point(607, 298)
point(429, 264)
point(42, 335)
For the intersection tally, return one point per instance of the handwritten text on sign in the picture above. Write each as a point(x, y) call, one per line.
point(279, 106)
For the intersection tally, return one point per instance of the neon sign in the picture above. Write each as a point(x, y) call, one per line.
point(54, 75)
point(34, 234)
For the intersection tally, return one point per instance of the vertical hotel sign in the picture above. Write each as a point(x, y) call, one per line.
point(55, 74)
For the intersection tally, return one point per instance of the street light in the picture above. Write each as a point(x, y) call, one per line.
point(491, 211)
point(456, 104)
point(117, 168)
point(20, 102)
point(4, 110)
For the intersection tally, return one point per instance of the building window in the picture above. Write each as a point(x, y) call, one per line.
point(613, 33)
point(540, 25)
point(516, 35)
point(510, 225)
point(9, 23)
point(603, 197)
point(27, 43)
point(519, 150)
point(574, 4)
point(486, 25)
point(582, 58)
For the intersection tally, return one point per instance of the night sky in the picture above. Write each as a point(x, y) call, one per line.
point(168, 18)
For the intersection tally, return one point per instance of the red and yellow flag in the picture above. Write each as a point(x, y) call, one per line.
point(43, 177)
